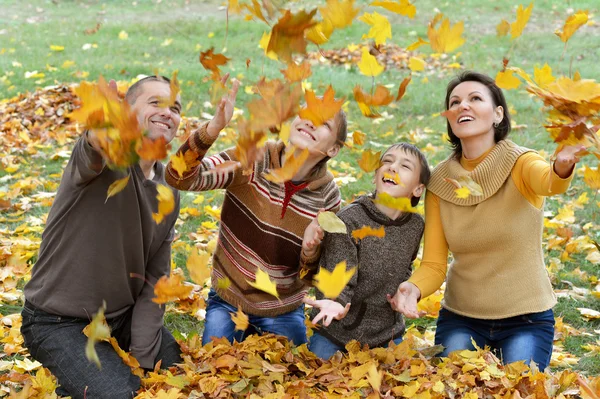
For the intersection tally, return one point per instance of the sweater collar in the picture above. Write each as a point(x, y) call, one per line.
point(316, 180)
point(366, 201)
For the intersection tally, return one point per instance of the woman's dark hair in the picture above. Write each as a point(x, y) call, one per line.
point(503, 128)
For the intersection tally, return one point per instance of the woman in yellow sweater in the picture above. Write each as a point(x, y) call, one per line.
point(497, 289)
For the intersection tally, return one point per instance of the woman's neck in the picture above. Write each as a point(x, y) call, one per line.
point(474, 147)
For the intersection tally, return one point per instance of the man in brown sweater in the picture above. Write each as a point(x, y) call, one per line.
point(90, 247)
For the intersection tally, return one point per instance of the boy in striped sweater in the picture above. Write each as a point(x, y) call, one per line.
point(262, 223)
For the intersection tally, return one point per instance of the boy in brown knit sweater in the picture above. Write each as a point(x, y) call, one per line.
point(382, 263)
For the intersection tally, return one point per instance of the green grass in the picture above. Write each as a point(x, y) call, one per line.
point(28, 29)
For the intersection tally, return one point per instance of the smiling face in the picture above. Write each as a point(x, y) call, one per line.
point(472, 111)
point(399, 174)
point(320, 141)
point(158, 120)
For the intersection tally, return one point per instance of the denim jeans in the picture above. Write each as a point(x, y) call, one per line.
point(59, 344)
point(526, 337)
point(218, 323)
point(325, 348)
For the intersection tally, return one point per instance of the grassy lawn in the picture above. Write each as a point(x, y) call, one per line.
point(141, 37)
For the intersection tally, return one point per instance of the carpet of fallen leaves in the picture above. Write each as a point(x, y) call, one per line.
point(34, 129)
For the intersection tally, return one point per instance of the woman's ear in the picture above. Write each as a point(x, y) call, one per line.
point(498, 114)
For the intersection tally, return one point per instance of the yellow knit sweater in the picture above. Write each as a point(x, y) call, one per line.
point(498, 269)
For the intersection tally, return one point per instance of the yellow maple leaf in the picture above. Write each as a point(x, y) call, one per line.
point(420, 42)
point(394, 177)
point(506, 80)
point(543, 76)
point(446, 38)
point(431, 304)
point(197, 266)
point(381, 30)
point(416, 64)
point(340, 13)
point(503, 28)
point(368, 231)
point(287, 35)
point(374, 377)
point(320, 33)
point(116, 187)
point(264, 42)
point(591, 177)
point(166, 202)
point(174, 92)
point(127, 358)
point(168, 289)
point(331, 284)
point(44, 382)
point(523, 14)
point(462, 192)
point(572, 23)
point(358, 137)
point(331, 223)
point(178, 163)
point(240, 319)
point(319, 111)
point(400, 203)
point(369, 160)
point(263, 282)
point(223, 283)
point(368, 64)
point(291, 166)
point(402, 7)
point(97, 330)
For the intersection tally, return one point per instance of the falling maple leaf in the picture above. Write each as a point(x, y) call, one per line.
point(292, 164)
point(248, 144)
point(168, 289)
point(543, 76)
point(402, 88)
point(402, 7)
point(358, 137)
point(320, 33)
point(503, 28)
point(380, 31)
point(523, 14)
point(287, 35)
point(591, 177)
point(366, 102)
point(446, 38)
point(255, 10)
point(166, 203)
point(368, 231)
point(319, 111)
point(197, 266)
point(240, 319)
point(416, 64)
point(340, 13)
point(178, 163)
point(174, 90)
point(506, 80)
point(152, 149)
point(571, 25)
point(399, 203)
point(279, 102)
point(116, 187)
point(369, 160)
point(331, 223)
point(420, 42)
point(331, 284)
point(368, 64)
point(223, 283)
point(297, 72)
point(212, 61)
point(263, 282)
point(97, 330)
point(462, 192)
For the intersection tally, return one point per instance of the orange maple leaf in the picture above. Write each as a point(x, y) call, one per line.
point(168, 289)
point(369, 160)
point(212, 61)
point(290, 167)
point(318, 111)
point(402, 88)
point(287, 36)
point(152, 150)
point(368, 231)
point(367, 102)
point(297, 73)
point(279, 102)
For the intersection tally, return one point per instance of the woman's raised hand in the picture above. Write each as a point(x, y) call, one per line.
point(224, 110)
point(405, 300)
point(566, 159)
point(328, 310)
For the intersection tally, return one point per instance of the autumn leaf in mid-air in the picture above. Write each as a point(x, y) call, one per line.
point(98, 330)
point(116, 187)
point(367, 103)
point(320, 33)
point(166, 202)
point(212, 61)
point(263, 282)
point(369, 160)
point(420, 42)
point(446, 38)
point(402, 7)
point(152, 149)
point(381, 30)
point(197, 266)
point(174, 90)
point(292, 164)
point(358, 137)
point(331, 223)
point(368, 64)
point(572, 23)
point(297, 72)
point(503, 28)
point(287, 35)
point(402, 88)
point(240, 319)
point(543, 76)
point(178, 163)
point(465, 186)
point(506, 80)
point(168, 289)
point(416, 64)
point(320, 110)
point(591, 177)
point(368, 231)
point(278, 102)
point(331, 284)
point(340, 13)
point(523, 14)
point(248, 144)
point(399, 203)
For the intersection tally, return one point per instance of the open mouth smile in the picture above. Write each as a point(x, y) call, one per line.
point(465, 119)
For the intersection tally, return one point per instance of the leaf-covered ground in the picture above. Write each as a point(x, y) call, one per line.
point(37, 48)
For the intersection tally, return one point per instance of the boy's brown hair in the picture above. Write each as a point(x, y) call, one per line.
point(425, 174)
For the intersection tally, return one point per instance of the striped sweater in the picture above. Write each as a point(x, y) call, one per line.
point(253, 234)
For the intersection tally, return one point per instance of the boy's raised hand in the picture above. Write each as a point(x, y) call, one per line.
point(405, 300)
point(224, 110)
point(313, 235)
point(329, 310)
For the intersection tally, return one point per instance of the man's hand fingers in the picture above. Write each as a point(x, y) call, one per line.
point(112, 85)
point(234, 90)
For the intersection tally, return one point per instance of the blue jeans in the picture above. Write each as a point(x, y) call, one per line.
point(59, 344)
point(325, 348)
point(218, 323)
point(526, 337)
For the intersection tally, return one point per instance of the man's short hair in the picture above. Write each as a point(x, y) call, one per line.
point(135, 89)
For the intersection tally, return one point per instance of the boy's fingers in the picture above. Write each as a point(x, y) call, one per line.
point(328, 320)
point(309, 301)
point(318, 317)
point(112, 85)
point(224, 78)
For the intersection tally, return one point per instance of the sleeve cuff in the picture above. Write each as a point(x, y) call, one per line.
point(559, 185)
point(200, 141)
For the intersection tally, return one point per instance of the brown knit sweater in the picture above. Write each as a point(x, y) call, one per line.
point(253, 234)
